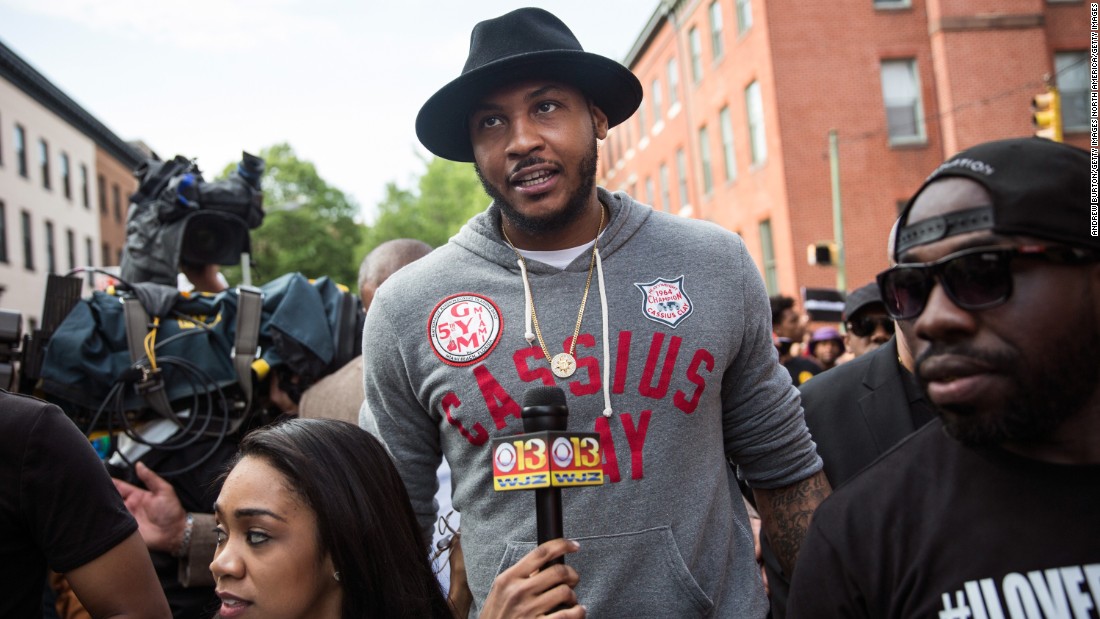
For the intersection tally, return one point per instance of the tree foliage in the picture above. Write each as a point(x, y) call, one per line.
point(308, 227)
point(447, 194)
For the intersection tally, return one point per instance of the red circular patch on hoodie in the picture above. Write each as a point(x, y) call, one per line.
point(464, 328)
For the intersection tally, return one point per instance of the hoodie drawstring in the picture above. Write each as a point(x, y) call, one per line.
point(606, 344)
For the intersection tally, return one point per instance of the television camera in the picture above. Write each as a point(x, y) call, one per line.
point(150, 368)
point(176, 217)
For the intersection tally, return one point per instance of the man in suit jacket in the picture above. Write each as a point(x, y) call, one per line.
point(858, 410)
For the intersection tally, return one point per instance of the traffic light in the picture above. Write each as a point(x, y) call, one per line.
point(1046, 114)
point(822, 253)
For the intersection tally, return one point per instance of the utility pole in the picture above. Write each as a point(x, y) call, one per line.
point(838, 222)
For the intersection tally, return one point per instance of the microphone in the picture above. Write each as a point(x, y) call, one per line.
point(546, 458)
point(544, 410)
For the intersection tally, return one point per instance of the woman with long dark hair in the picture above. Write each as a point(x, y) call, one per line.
point(314, 521)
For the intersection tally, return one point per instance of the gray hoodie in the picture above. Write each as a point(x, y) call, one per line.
point(690, 372)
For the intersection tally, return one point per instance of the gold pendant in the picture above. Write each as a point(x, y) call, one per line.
point(563, 365)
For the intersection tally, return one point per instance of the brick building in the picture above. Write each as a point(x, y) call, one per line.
point(65, 184)
point(740, 96)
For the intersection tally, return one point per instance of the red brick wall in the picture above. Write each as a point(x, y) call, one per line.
point(112, 231)
point(819, 68)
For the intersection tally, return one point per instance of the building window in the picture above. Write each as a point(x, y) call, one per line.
point(767, 246)
point(754, 106)
point(666, 198)
point(70, 246)
point(84, 186)
point(3, 233)
point(102, 185)
point(696, 55)
point(901, 96)
point(1072, 76)
point(66, 177)
point(106, 255)
point(744, 16)
point(51, 258)
point(642, 128)
point(649, 194)
point(673, 83)
point(44, 162)
point(28, 242)
point(88, 254)
point(681, 171)
point(655, 99)
point(729, 159)
point(704, 159)
point(116, 200)
point(1, 140)
point(716, 29)
point(21, 150)
point(892, 4)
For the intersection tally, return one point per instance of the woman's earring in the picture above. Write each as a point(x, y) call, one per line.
point(336, 575)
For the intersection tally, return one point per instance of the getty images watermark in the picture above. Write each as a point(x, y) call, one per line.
point(1094, 134)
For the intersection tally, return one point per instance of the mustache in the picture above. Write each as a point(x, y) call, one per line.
point(961, 349)
point(530, 161)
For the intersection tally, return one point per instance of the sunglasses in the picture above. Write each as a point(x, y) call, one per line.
point(865, 326)
point(974, 279)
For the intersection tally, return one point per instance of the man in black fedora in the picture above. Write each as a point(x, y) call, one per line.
point(672, 365)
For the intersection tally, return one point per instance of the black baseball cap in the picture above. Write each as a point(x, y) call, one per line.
point(1040, 188)
point(860, 298)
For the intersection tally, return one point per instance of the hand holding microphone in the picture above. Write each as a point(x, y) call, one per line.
point(538, 585)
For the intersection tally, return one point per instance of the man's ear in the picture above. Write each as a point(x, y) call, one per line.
point(599, 120)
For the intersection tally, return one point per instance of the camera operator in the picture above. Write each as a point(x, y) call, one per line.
point(179, 378)
point(179, 230)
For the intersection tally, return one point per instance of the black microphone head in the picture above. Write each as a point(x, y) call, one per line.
point(544, 396)
point(544, 409)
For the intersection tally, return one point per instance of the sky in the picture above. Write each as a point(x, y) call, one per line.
point(340, 80)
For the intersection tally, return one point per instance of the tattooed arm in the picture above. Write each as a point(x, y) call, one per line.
point(786, 512)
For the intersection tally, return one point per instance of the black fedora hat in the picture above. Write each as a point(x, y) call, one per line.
point(524, 43)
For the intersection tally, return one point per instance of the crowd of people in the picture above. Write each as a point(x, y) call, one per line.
point(955, 408)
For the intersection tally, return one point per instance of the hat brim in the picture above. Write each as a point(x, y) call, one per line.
point(442, 126)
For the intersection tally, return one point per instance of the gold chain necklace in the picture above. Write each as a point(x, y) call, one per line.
point(562, 364)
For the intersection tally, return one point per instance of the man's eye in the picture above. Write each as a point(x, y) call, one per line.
point(490, 121)
point(547, 106)
point(255, 538)
point(220, 535)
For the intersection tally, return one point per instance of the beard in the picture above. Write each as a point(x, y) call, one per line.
point(574, 205)
point(1047, 392)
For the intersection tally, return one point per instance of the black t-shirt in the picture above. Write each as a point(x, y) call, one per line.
point(58, 507)
point(934, 529)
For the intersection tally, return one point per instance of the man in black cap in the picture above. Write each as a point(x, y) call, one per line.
point(866, 323)
point(673, 366)
point(992, 510)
